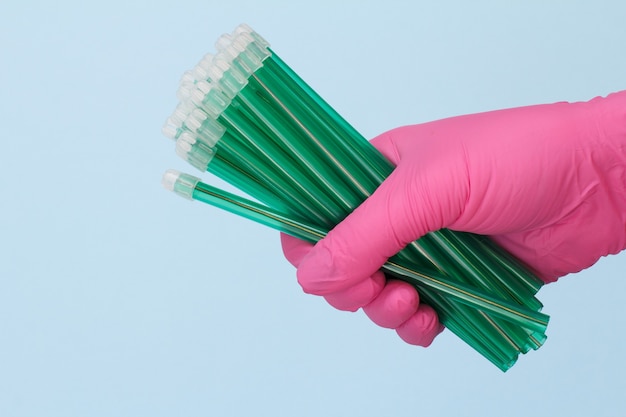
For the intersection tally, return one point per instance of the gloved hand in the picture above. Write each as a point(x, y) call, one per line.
point(546, 182)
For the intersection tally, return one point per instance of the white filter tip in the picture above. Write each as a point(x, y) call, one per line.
point(169, 131)
point(169, 179)
point(187, 77)
point(223, 41)
point(180, 183)
point(243, 28)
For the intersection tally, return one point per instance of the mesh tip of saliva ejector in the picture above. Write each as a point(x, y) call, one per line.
point(216, 79)
point(180, 183)
point(194, 151)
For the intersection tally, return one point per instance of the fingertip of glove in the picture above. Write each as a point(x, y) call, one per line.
point(421, 328)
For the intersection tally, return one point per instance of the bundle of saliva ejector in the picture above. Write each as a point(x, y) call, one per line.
point(249, 119)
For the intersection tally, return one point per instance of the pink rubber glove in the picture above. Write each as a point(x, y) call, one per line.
point(547, 182)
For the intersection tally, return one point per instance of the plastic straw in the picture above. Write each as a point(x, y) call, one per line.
point(191, 187)
point(246, 117)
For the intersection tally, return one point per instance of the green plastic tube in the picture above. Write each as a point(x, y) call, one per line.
point(291, 111)
point(276, 73)
point(192, 188)
point(281, 87)
point(251, 120)
point(491, 333)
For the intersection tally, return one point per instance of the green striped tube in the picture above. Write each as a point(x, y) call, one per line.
point(248, 118)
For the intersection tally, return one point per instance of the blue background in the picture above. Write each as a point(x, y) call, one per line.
point(118, 298)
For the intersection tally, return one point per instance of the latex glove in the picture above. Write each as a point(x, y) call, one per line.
point(546, 182)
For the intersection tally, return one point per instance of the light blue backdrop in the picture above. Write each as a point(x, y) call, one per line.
point(118, 298)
